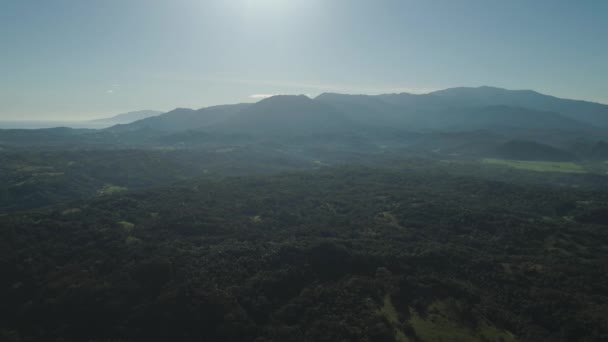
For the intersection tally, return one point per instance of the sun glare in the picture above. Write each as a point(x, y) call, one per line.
point(268, 6)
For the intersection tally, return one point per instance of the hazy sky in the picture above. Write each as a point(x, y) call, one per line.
point(78, 59)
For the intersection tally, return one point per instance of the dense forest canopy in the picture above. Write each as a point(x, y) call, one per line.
point(353, 253)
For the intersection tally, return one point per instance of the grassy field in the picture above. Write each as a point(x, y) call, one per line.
point(443, 324)
point(540, 166)
point(390, 313)
point(111, 189)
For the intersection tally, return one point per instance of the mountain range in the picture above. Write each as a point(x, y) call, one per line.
point(455, 109)
point(127, 117)
point(467, 122)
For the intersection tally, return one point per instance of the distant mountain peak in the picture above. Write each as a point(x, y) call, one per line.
point(286, 103)
point(483, 90)
point(483, 107)
point(490, 87)
point(128, 117)
point(277, 99)
point(179, 111)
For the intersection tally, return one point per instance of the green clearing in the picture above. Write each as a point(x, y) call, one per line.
point(442, 324)
point(390, 313)
point(32, 168)
point(127, 226)
point(111, 189)
point(47, 174)
point(131, 240)
point(71, 211)
point(539, 166)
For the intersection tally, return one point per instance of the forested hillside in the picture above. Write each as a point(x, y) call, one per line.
point(337, 254)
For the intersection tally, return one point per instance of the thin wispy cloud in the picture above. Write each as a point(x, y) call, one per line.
point(318, 87)
point(261, 96)
point(113, 89)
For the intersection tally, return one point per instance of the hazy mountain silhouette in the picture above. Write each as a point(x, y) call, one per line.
point(503, 117)
point(183, 119)
point(589, 112)
point(365, 109)
point(127, 117)
point(287, 114)
point(438, 111)
point(530, 150)
point(599, 150)
point(455, 109)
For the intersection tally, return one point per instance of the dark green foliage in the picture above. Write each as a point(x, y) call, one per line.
point(599, 151)
point(37, 179)
point(530, 150)
point(310, 256)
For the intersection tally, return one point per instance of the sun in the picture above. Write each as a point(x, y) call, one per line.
point(269, 5)
point(266, 3)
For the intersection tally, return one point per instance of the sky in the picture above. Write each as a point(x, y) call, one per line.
point(78, 60)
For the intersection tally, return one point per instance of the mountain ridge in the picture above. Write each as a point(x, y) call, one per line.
point(461, 108)
point(128, 117)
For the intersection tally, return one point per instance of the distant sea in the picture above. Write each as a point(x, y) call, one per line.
point(30, 124)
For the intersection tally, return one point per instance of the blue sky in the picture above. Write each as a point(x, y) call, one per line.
point(75, 59)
